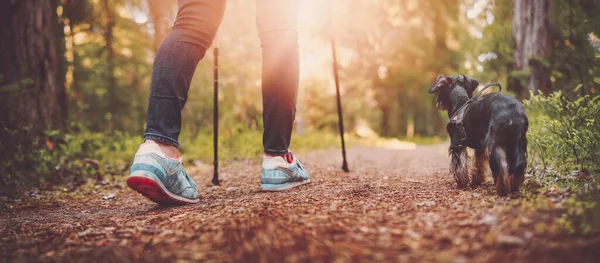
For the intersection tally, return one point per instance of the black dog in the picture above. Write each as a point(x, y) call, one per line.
point(494, 125)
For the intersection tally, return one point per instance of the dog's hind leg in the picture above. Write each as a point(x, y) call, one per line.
point(499, 169)
point(479, 167)
point(498, 165)
point(459, 166)
point(517, 162)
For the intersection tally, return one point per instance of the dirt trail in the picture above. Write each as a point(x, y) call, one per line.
point(395, 205)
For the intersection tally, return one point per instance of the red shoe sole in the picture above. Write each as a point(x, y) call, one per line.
point(153, 191)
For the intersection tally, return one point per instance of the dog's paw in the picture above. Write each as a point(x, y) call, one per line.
point(501, 189)
point(504, 185)
point(477, 179)
point(516, 182)
point(462, 179)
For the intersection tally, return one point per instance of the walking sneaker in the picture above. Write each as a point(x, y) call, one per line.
point(280, 173)
point(161, 179)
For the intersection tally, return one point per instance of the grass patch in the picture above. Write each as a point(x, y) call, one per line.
point(236, 145)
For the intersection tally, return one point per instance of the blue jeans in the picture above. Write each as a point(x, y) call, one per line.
point(185, 45)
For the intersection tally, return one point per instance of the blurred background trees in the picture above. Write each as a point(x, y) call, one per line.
point(32, 92)
point(85, 65)
point(390, 52)
point(540, 45)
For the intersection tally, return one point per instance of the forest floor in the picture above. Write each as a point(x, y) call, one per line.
point(394, 206)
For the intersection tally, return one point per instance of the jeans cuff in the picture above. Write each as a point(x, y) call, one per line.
point(276, 152)
point(161, 138)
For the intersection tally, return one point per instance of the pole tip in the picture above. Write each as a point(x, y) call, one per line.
point(345, 167)
point(215, 180)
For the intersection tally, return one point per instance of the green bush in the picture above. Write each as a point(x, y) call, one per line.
point(564, 133)
point(71, 156)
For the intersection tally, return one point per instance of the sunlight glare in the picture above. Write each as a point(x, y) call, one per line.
point(315, 53)
point(312, 13)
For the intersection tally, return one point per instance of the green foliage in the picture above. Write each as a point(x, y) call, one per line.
point(495, 51)
point(573, 60)
point(564, 133)
point(564, 136)
point(582, 213)
point(107, 92)
point(73, 156)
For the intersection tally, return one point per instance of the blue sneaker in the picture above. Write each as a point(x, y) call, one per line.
point(280, 173)
point(161, 179)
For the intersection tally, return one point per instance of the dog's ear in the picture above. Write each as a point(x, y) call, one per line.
point(440, 82)
point(470, 84)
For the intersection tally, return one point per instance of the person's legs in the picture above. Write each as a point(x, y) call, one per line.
point(176, 60)
point(276, 22)
point(157, 171)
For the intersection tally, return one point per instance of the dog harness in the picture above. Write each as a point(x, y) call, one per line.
point(456, 127)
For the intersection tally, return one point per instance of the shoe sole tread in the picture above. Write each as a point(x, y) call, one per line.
point(152, 190)
point(282, 187)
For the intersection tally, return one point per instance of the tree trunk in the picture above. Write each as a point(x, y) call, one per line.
point(30, 91)
point(113, 98)
point(60, 43)
point(533, 37)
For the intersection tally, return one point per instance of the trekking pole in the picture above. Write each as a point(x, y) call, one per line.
point(215, 180)
point(337, 91)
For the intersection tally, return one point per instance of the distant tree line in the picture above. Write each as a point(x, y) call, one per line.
point(88, 64)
